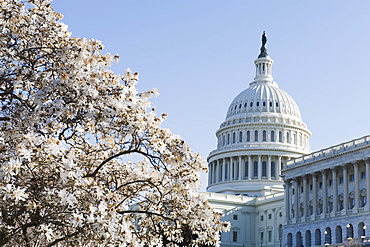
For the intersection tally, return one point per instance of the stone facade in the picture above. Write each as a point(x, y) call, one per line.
point(326, 195)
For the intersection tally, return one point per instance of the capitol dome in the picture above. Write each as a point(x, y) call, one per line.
point(262, 98)
point(263, 129)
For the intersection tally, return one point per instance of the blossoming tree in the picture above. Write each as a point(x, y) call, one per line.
point(83, 158)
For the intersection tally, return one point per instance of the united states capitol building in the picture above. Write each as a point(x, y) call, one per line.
point(264, 179)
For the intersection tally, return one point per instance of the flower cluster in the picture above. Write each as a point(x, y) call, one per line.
point(84, 160)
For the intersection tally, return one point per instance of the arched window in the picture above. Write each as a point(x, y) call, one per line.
point(330, 204)
point(340, 202)
point(361, 230)
point(351, 200)
point(280, 136)
point(255, 169)
point(226, 171)
point(223, 140)
point(264, 169)
point(290, 240)
point(350, 230)
point(287, 137)
point(298, 239)
point(308, 238)
point(264, 138)
point(327, 236)
point(338, 234)
point(362, 198)
point(280, 232)
point(240, 136)
point(228, 139)
point(320, 207)
point(317, 237)
point(256, 135)
point(234, 137)
point(272, 136)
point(248, 136)
point(273, 173)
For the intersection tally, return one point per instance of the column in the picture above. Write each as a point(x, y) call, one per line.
point(305, 197)
point(213, 172)
point(250, 172)
point(314, 194)
point(269, 167)
point(259, 167)
point(335, 190)
point(295, 184)
point(357, 190)
point(223, 170)
point(287, 199)
point(325, 193)
point(278, 170)
point(232, 177)
point(209, 173)
point(345, 189)
point(240, 168)
point(217, 171)
point(367, 185)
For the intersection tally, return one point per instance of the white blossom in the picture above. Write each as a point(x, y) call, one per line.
point(84, 159)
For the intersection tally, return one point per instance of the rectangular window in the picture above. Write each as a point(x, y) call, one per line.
point(340, 180)
point(261, 236)
point(270, 236)
point(270, 216)
point(255, 169)
point(351, 177)
point(273, 173)
point(235, 236)
point(235, 217)
point(311, 187)
point(246, 171)
point(363, 175)
point(331, 182)
point(301, 189)
point(320, 185)
point(261, 217)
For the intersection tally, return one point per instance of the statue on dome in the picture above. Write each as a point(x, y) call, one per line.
point(263, 47)
point(264, 38)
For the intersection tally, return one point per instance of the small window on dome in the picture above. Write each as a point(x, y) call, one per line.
point(277, 104)
point(258, 103)
point(245, 105)
point(235, 107)
point(240, 106)
point(270, 104)
point(251, 104)
point(264, 103)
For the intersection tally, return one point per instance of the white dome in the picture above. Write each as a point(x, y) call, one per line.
point(261, 98)
point(262, 130)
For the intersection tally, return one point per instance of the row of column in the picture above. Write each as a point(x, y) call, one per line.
point(236, 168)
point(294, 184)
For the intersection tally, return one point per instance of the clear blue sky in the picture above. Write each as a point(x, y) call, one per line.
point(200, 53)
